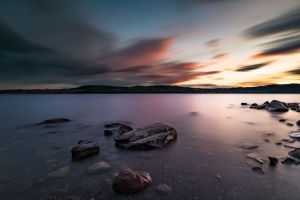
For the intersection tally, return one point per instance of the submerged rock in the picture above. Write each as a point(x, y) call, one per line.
point(55, 120)
point(163, 189)
point(254, 105)
point(289, 140)
point(92, 188)
point(278, 143)
point(152, 136)
point(282, 120)
point(98, 167)
point(255, 157)
point(129, 182)
point(244, 103)
point(258, 169)
point(289, 160)
point(59, 173)
point(84, 149)
point(277, 106)
point(113, 124)
point(289, 124)
point(108, 132)
point(273, 160)
point(295, 153)
point(117, 128)
point(249, 146)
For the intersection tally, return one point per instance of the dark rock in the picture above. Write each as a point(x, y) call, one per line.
point(113, 124)
point(55, 121)
point(289, 124)
point(298, 122)
point(255, 157)
point(294, 108)
point(125, 129)
point(258, 169)
point(289, 140)
point(289, 160)
point(264, 105)
point(277, 106)
point(254, 105)
point(244, 104)
point(108, 132)
point(288, 146)
point(282, 120)
point(84, 149)
point(129, 182)
point(278, 143)
point(273, 160)
point(151, 136)
point(295, 153)
point(293, 105)
point(266, 140)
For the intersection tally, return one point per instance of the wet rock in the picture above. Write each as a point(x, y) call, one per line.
point(258, 169)
point(108, 132)
point(288, 146)
point(152, 136)
point(289, 124)
point(295, 153)
point(125, 129)
point(255, 157)
point(277, 106)
point(282, 120)
point(163, 189)
point(273, 160)
point(55, 121)
point(264, 105)
point(84, 149)
point(249, 146)
point(293, 106)
point(59, 173)
point(254, 105)
point(278, 143)
point(266, 140)
point(295, 134)
point(289, 140)
point(92, 188)
point(289, 160)
point(129, 182)
point(269, 133)
point(298, 122)
point(113, 124)
point(244, 103)
point(98, 167)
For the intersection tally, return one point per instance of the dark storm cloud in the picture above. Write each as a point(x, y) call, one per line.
point(288, 22)
point(252, 67)
point(135, 69)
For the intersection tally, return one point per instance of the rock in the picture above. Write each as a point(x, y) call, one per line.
point(52, 198)
point(84, 149)
point(254, 105)
point(289, 160)
point(298, 122)
point(164, 189)
point(264, 105)
point(269, 133)
point(295, 153)
point(288, 146)
point(289, 140)
point(55, 121)
point(266, 140)
point(249, 146)
point(113, 124)
point(289, 124)
point(277, 106)
point(129, 182)
point(244, 104)
point(125, 129)
point(108, 132)
point(255, 157)
point(152, 136)
point(293, 105)
point(294, 108)
point(278, 143)
point(295, 134)
point(273, 160)
point(282, 120)
point(98, 167)
point(258, 169)
point(59, 173)
point(92, 188)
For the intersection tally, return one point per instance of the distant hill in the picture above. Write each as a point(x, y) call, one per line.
point(97, 89)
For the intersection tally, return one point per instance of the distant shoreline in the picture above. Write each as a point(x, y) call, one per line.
point(162, 89)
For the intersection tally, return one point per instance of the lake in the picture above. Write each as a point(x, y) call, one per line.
point(205, 162)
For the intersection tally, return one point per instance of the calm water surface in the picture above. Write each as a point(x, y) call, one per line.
point(205, 162)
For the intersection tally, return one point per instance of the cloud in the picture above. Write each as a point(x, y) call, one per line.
point(252, 67)
point(144, 52)
point(294, 71)
point(287, 22)
point(220, 56)
point(213, 43)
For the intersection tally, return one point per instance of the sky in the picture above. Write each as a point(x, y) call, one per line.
point(191, 43)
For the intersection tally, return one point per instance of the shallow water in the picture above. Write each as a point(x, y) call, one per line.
point(205, 162)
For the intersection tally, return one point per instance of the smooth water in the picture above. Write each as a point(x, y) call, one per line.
point(205, 162)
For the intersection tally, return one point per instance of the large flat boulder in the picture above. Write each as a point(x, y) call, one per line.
point(129, 182)
point(152, 136)
point(55, 121)
point(277, 106)
point(84, 149)
point(295, 153)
